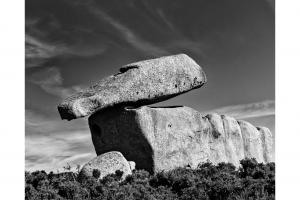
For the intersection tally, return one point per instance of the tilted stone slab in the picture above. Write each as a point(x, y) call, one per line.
point(158, 138)
point(107, 163)
point(137, 84)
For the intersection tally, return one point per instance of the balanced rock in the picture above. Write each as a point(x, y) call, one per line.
point(107, 163)
point(163, 138)
point(137, 84)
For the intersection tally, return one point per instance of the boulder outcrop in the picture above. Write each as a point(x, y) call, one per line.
point(137, 84)
point(163, 138)
point(107, 163)
point(159, 138)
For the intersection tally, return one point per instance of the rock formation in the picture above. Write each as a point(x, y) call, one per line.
point(163, 138)
point(107, 163)
point(139, 83)
point(266, 139)
point(159, 138)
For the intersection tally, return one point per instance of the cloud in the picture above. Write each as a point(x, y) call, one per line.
point(243, 111)
point(39, 51)
point(166, 20)
point(51, 81)
point(40, 47)
point(53, 35)
point(57, 150)
point(36, 48)
point(51, 143)
point(130, 36)
point(40, 124)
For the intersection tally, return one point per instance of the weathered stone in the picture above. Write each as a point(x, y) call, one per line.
point(162, 138)
point(252, 141)
point(132, 165)
point(137, 84)
point(267, 140)
point(107, 163)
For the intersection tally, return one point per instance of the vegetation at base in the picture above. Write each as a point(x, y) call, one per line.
point(250, 181)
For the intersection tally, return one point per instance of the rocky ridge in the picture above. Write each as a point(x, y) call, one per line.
point(162, 138)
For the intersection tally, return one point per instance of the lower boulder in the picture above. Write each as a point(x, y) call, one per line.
point(104, 164)
point(163, 138)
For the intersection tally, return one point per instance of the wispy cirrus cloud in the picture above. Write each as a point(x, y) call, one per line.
point(52, 143)
point(39, 51)
point(130, 36)
point(40, 47)
point(57, 150)
point(36, 48)
point(243, 111)
point(39, 124)
point(51, 81)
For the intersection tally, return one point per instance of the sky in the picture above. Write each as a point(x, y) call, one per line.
point(71, 44)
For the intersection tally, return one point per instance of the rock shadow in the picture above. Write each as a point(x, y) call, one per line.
point(116, 129)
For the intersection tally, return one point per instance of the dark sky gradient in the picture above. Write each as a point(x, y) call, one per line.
point(72, 43)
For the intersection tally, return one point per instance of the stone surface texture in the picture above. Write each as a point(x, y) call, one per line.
point(137, 84)
point(162, 138)
point(267, 141)
point(107, 163)
point(132, 165)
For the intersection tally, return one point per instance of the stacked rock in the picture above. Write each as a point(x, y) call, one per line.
point(162, 138)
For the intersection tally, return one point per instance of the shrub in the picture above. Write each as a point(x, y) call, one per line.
point(251, 180)
point(96, 173)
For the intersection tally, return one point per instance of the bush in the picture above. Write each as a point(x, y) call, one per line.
point(251, 180)
point(96, 173)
